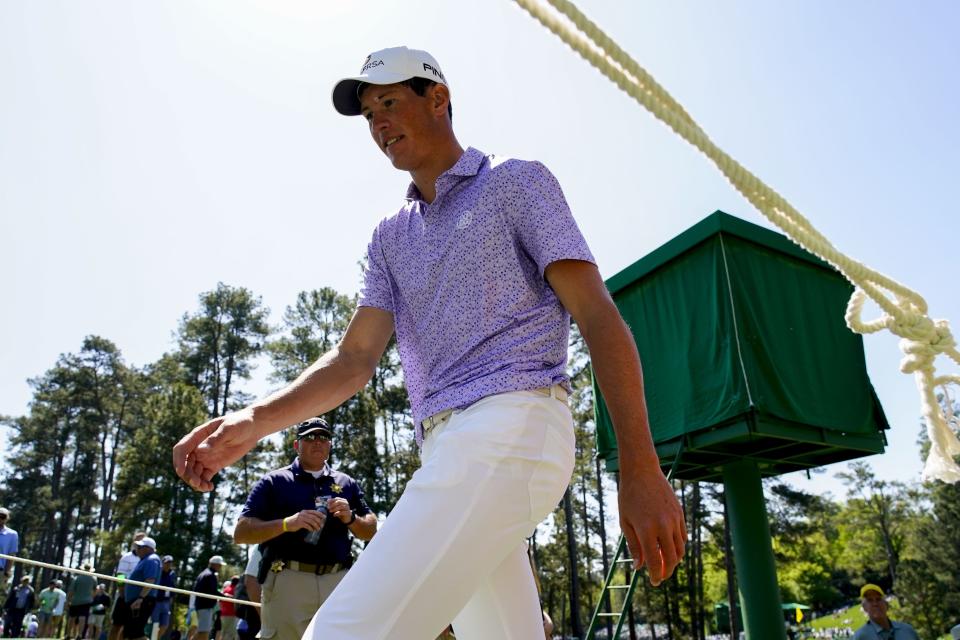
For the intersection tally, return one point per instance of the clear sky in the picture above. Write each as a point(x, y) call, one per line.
point(150, 150)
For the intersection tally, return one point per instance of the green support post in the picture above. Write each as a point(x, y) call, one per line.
point(753, 551)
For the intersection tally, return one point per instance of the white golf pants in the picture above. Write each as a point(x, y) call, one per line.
point(454, 547)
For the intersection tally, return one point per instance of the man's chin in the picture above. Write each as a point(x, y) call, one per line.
point(399, 164)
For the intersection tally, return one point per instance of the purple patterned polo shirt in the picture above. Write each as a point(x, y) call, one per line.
point(463, 277)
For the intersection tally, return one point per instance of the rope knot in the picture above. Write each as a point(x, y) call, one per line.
point(916, 327)
point(923, 341)
point(919, 355)
point(944, 338)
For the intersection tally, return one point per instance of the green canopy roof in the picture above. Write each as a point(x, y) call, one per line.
point(745, 354)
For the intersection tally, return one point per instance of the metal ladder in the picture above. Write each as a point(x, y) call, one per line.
point(622, 556)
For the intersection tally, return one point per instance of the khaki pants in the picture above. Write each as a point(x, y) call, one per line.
point(228, 627)
point(289, 601)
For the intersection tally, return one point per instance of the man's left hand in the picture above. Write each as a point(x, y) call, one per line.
point(340, 509)
point(652, 521)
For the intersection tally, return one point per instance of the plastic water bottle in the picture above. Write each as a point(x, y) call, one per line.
point(320, 503)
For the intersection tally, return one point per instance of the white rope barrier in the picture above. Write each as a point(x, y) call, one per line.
point(904, 311)
point(125, 581)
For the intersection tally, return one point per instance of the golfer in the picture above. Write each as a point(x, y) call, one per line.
point(477, 274)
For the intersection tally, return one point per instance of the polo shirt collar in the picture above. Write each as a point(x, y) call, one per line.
point(876, 627)
point(299, 471)
point(468, 165)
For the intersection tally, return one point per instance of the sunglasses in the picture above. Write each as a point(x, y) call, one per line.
point(315, 437)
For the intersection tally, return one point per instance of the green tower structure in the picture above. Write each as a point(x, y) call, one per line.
point(749, 371)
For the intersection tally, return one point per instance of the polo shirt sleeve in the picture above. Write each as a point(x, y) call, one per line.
point(355, 498)
point(153, 569)
point(541, 219)
point(253, 564)
point(376, 290)
point(258, 502)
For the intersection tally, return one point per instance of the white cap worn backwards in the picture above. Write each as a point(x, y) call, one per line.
point(386, 66)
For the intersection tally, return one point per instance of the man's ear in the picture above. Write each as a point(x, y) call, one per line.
point(440, 97)
point(296, 446)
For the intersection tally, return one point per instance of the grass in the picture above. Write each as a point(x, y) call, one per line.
point(852, 618)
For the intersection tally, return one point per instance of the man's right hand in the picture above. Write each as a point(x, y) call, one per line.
point(212, 446)
point(309, 519)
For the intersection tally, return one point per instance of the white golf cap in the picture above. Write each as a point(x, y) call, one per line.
point(216, 560)
point(146, 542)
point(386, 66)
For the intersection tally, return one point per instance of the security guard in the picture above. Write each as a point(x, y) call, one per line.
point(286, 506)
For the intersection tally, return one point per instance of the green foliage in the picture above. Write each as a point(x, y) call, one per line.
point(90, 464)
point(876, 519)
point(219, 342)
point(929, 578)
point(804, 531)
point(312, 327)
point(79, 418)
point(382, 462)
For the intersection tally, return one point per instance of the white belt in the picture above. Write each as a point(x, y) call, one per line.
point(553, 391)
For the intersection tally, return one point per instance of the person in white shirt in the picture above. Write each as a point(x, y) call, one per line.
point(121, 612)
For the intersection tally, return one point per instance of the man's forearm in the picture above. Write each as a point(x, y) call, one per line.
point(326, 384)
point(616, 365)
point(255, 531)
point(364, 527)
point(146, 590)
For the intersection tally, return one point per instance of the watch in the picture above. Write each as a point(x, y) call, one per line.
point(353, 517)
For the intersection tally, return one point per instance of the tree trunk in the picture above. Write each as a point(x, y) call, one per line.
point(588, 561)
point(211, 509)
point(577, 625)
point(884, 517)
point(698, 555)
point(231, 363)
point(603, 545)
point(689, 559)
point(731, 573)
point(666, 602)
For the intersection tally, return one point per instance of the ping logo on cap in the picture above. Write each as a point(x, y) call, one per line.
point(434, 71)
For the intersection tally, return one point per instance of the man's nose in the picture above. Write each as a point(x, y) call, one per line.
point(379, 122)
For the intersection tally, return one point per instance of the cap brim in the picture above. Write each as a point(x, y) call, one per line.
point(325, 432)
point(867, 588)
point(345, 99)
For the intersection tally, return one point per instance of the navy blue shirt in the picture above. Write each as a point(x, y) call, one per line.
point(148, 567)
point(168, 579)
point(289, 490)
point(207, 582)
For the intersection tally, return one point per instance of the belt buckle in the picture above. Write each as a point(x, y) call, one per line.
point(277, 566)
point(555, 391)
point(432, 422)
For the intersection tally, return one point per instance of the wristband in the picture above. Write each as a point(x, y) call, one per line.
point(353, 517)
point(285, 525)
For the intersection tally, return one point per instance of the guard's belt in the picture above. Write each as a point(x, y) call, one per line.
point(317, 569)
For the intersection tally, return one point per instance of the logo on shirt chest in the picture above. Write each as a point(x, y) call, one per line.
point(464, 220)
